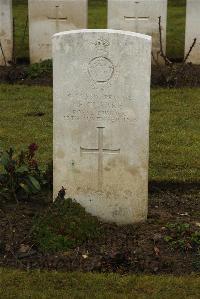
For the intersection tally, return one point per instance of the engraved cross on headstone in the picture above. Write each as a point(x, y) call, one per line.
point(57, 19)
point(99, 151)
point(136, 18)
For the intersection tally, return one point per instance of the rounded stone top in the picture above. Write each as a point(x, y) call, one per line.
point(111, 31)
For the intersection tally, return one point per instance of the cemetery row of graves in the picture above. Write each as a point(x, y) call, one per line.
point(43, 19)
point(174, 29)
point(127, 154)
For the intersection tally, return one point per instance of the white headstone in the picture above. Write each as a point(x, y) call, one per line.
point(101, 121)
point(47, 17)
point(6, 31)
point(193, 30)
point(140, 16)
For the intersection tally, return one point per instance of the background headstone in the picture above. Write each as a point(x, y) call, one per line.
point(193, 30)
point(101, 121)
point(47, 17)
point(140, 16)
point(6, 31)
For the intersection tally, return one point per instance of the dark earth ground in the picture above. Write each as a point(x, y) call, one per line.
point(177, 75)
point(151, 247)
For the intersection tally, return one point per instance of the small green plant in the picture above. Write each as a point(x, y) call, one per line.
point(182, 236)
point(38, 70)
point(20, 173)
point(65, 226)
point(195, 238)
point(196, 261)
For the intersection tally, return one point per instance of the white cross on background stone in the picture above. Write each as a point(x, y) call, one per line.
point(99, 151)
point(136, 18)
point(57, 19)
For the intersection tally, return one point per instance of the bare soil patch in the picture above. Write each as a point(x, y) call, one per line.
point(180, 75)
point(174, 212)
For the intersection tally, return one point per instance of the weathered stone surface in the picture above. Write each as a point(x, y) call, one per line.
point(101, 121)
point(47, 17)
point(193, 30)
point(140, 16)
point(6, 31)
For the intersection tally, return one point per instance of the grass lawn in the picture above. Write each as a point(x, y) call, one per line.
point(97, 18)
point(20, 14)
point(176, 28)
point(19, 126)
point(174, 128)
point(41, 285)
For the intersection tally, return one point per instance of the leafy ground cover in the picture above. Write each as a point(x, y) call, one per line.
point(62, 236)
